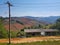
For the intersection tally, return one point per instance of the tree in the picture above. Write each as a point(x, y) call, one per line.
point(3, 31)
point(21, 33)
point(13, 34)
point(56, 25)
point(39, 26)
point(28, 27)
point(52, 26)
point(58, 20)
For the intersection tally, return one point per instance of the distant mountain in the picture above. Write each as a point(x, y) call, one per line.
point(51, 19)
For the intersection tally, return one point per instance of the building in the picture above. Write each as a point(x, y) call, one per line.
point(41, 32)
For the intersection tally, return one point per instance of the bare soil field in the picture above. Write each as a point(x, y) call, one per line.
point(31, 39)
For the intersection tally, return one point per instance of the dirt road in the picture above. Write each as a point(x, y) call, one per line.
point(32, 39)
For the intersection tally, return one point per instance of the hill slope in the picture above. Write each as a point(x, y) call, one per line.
point(18, 23)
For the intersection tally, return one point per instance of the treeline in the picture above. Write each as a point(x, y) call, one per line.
point(56, 25)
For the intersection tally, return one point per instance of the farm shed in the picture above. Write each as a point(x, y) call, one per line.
point(41, 32)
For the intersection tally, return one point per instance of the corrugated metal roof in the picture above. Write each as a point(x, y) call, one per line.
point(40, 30)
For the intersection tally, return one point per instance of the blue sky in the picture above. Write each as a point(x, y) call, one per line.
point(37, 8)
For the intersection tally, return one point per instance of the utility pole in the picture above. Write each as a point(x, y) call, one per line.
point(9, 36)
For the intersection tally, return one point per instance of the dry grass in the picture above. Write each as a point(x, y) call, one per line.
point(32, 39)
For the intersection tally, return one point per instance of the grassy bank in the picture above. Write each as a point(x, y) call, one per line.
point(37, 43)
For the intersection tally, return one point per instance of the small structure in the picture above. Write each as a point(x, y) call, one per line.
point(41, 32)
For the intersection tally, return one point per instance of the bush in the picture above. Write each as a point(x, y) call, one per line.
point(13, 34)
point(3, 31)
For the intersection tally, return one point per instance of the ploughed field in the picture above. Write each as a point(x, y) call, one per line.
point(31, 39)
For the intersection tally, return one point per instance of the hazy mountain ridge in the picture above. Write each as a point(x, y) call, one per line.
point(51, 19)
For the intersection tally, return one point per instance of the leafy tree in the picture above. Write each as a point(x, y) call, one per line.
point(56, 25)
point(21, 33)
point(13, 34)
point(58, 20)
point(3, 31)
point(28, 27)
point(40, 26)
point(52, 26)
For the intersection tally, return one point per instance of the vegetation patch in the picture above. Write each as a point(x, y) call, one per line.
point(36, 43)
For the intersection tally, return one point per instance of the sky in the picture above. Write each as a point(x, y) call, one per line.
point(36, 8)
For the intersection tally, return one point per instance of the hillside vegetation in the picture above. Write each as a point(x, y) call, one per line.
point(3, 31)
point(17, 24)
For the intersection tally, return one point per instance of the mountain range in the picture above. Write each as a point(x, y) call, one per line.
point(18, 23)
point(50, 19)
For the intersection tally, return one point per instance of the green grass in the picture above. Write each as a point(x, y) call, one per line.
point(37, 43)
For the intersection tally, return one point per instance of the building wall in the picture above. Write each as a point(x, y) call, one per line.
point(42, 34)
point(33, 34)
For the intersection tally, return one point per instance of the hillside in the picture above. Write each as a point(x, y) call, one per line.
point(18, 23)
